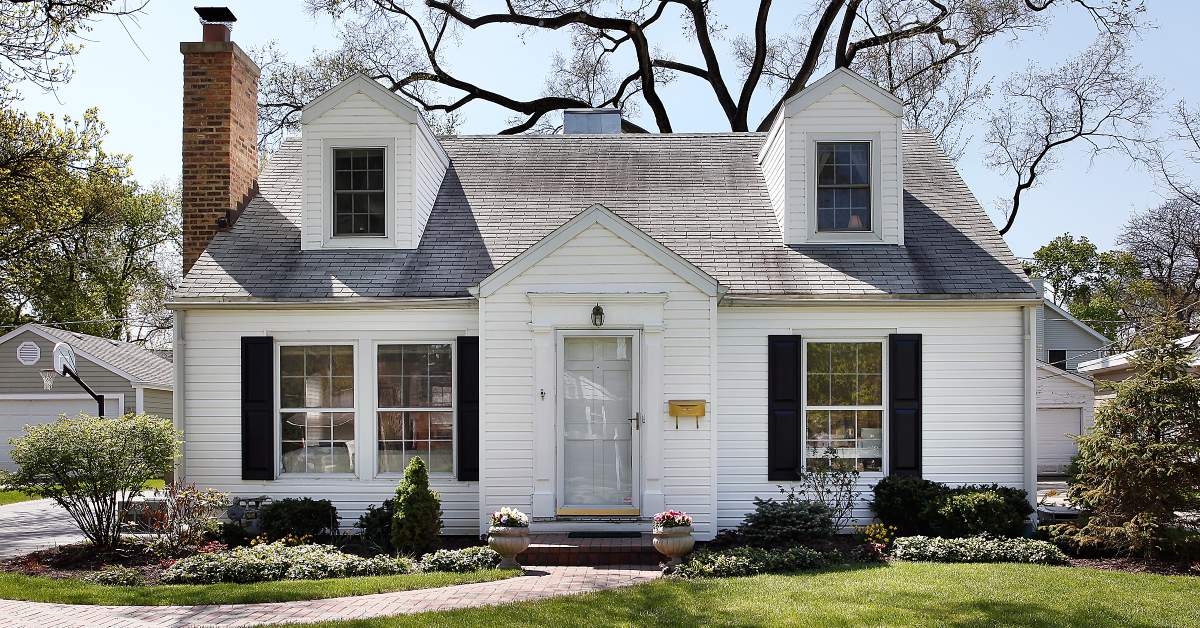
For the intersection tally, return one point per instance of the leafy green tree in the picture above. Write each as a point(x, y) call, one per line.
point(417, 516)
point(1140, 464)
point(93, 467)
point(1103, 288)
point(79, 240)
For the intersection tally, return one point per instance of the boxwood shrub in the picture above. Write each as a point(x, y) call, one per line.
point(921, 507)
point(299, 517)
point(977, 549)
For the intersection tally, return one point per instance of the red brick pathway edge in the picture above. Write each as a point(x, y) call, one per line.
point(537, 583)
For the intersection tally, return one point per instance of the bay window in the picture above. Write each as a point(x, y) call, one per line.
point(415, 406)
point(317, 408)
point(844, 403)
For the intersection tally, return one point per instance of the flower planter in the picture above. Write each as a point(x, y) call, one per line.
point(674, 543)
point(508, 542)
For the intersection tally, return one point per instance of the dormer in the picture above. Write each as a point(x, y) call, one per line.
point(372, 169)
point(833, 164)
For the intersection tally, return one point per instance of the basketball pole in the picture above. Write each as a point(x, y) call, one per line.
point(99, 398)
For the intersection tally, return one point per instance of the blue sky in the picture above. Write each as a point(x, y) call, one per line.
point(138, 91)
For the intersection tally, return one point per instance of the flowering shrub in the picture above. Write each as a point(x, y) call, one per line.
point(510, 518)
point(978, 549)
point(290, 540)
point(461, 560)
point(278, 561)
point(118, 576)
point(672, 519)
point(188, 516)
point(879, 534)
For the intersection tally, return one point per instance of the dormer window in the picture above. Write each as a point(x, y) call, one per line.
point(843, 186)
point(359, 197)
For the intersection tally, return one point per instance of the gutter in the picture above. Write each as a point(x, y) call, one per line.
point(910, 300)
point(179, 305)
point(179, 351)
point(1030, 387)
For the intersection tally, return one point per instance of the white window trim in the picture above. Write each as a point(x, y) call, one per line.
point(376, 409)
point(875, 235)
point(279, 410)
point(883, 408)
point(389, 239)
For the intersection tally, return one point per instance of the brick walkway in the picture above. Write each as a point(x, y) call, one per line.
point(538, 583)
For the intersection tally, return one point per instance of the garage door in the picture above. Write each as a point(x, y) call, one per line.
point(15, 414)
point(1055, 449)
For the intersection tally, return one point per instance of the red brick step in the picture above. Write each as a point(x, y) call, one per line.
point(558, 549)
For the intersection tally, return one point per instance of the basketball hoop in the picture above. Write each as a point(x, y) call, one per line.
point(48, 376)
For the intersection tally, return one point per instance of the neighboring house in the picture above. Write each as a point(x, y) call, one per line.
point(589, 327)
point(1119, 366)
point(1065, 399)
point(132, 379)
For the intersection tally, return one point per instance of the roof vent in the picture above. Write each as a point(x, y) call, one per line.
point(603, 121)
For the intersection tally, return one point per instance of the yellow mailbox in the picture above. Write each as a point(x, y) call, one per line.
point(694, 408)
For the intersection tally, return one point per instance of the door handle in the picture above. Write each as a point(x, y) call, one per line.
point(636, 419)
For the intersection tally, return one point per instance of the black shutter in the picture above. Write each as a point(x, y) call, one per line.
point(785, 448)
point(468, 408)
point(258, 408)
point(904, 422)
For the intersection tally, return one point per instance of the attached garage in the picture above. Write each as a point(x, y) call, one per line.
point(1066, 406)
point(17, 412)
point(131, 378)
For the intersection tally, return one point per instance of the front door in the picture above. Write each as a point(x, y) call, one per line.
point(598, 445)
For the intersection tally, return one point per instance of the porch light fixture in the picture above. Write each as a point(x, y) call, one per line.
point(598, 316)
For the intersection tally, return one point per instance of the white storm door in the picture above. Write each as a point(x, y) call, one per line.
point(598, 446)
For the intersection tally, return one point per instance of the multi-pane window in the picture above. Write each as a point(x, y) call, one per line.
point(316, 408)
point(843, 186)
point(358, 191)
point(415, 406)
point(844, 403)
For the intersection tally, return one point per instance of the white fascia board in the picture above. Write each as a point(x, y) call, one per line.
point(599, 215)
point(842, 77)
point(1078, 323)
point(358, 84)
point(1054, 370)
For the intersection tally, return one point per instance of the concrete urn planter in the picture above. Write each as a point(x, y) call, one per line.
point(508, 542)
point(674, 543)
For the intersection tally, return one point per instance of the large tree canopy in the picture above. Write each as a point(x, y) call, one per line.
point(923, 50)
point(79, 240)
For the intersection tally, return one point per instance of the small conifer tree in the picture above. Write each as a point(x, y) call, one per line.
point(417, 517)
point(1140, 465)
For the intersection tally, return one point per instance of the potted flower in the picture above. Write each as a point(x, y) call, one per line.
point(673, 535)
point(509, 535)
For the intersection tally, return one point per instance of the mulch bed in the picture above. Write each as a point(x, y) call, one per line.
point(1140, 565)
point(80, 560)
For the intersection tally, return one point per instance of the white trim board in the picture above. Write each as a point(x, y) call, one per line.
point(842, 77)
point(598, 215)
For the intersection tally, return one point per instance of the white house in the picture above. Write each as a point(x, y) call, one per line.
point(589, 327)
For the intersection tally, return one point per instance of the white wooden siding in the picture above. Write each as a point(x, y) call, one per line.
point(772, 160)
point(357, 117)
point(595, 261)
point(972, 411)
point(212, 405)
point(430, 163)
point(843, 111)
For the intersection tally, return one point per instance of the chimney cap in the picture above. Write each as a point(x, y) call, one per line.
point(215, 15)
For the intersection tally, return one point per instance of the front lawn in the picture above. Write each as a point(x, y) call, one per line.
point(928, 594)
point(12, 497)
point(76, 591)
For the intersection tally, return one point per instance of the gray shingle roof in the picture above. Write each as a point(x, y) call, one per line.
point(701, 195)
point(144, 365)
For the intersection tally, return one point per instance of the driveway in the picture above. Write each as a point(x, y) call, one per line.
point(29, 526)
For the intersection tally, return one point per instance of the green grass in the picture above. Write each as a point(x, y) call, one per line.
point(904, 594)
point(12, 497)
point(73, 591)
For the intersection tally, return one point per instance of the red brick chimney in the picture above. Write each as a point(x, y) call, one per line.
point(220, 132)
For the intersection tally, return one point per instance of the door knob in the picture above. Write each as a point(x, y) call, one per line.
point(636, 419)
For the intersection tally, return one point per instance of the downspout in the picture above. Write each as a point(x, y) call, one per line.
point(1030, 372)
point(178, 346)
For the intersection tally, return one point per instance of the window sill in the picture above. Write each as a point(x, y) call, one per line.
point(433, 475)
point(315, 476)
